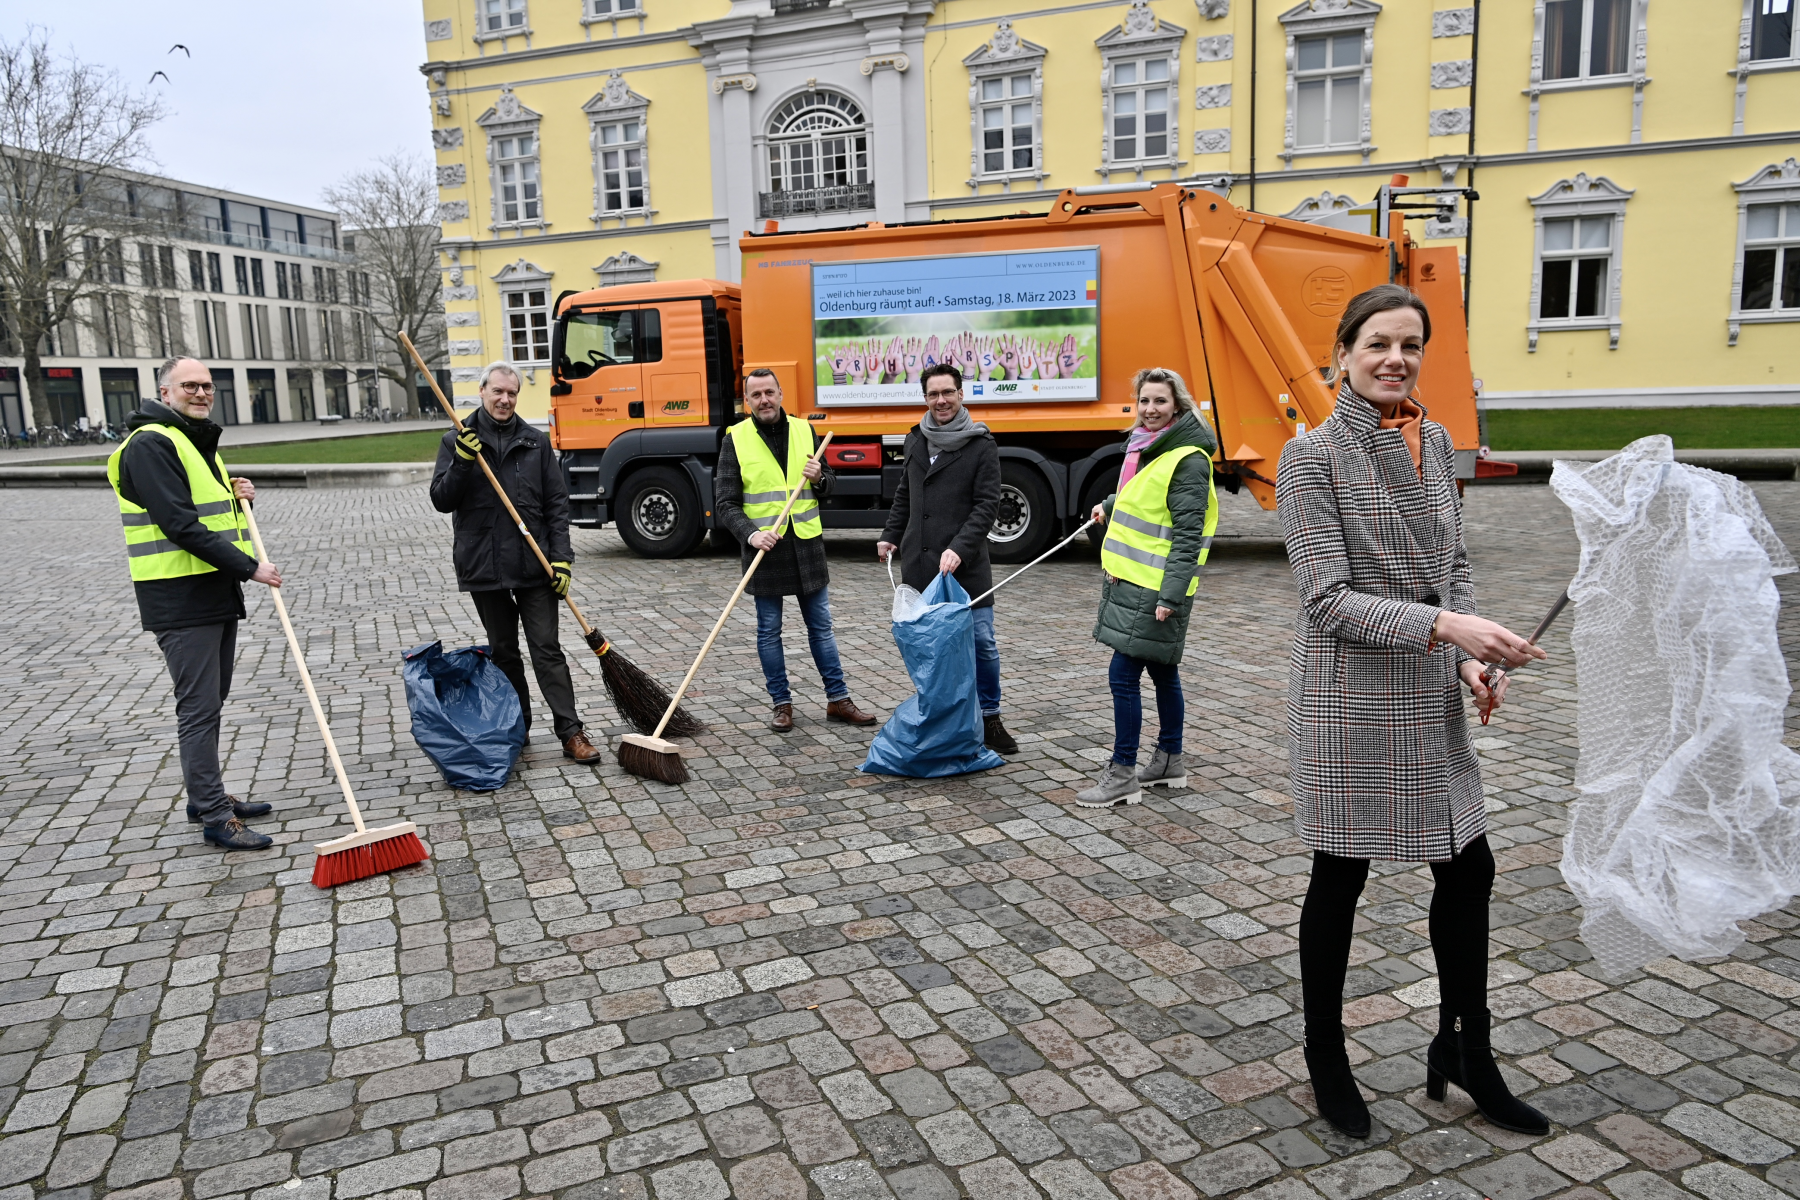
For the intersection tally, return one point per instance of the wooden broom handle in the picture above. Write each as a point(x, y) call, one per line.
point(450, 411)
point(312, 697)
point(742, 584)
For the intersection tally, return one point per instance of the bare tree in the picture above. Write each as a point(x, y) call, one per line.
point(391, 207)
point(71, 137)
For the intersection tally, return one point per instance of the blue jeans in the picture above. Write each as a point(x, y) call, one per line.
point(1128, 706)
point(987, 663)
point(815, 610)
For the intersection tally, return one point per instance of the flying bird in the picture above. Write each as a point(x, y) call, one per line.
point(182, 48)
point(153, 76)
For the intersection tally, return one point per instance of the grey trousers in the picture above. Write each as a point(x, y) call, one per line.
point(199, 659)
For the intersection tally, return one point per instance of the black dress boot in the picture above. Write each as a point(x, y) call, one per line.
point(1461, 1054)
point(1334, 1087)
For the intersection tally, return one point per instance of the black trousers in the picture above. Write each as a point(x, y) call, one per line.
point(199, 659)
point(502, 612)
point(1459, 934)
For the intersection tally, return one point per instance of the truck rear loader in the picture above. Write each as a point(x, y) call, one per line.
point(1048, 314)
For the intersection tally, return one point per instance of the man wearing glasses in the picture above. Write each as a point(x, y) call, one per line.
point(943, 509)
point(189, 550)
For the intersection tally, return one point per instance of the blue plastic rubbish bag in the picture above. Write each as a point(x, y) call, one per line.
point(465, 714)
point(938, 730)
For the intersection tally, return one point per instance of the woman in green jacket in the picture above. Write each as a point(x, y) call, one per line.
point(1162, 516)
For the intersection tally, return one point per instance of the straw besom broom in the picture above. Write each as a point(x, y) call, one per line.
point(638, 697)
point(368, 851)
point(648, 756)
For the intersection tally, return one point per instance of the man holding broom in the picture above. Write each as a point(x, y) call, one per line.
point(762, 460)
point(493, 562)
point(189, 551)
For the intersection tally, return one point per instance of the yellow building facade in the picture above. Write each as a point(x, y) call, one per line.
point(1636, 241)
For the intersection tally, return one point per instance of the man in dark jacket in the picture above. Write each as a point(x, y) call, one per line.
point(190, 555)
point(794, 562)
point(493, 563)
point(942, 512)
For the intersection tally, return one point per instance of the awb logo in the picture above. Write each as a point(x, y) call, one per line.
point(1005, 387)
point(675, 406)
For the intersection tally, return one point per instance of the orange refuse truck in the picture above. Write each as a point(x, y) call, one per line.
point(1048, 315)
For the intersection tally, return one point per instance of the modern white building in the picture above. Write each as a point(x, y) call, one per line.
point(261, 291)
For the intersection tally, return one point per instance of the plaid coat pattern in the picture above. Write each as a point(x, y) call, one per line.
point(1378, 746)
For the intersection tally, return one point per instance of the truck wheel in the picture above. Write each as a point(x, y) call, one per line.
point(1023, 524)
point(658, 513)
point(1096, 492)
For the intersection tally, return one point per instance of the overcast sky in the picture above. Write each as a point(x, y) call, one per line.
point(278, 100)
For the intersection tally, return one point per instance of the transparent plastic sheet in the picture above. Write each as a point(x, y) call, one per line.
point(1687, 818)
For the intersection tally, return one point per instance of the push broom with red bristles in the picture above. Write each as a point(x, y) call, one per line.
point(366, 852)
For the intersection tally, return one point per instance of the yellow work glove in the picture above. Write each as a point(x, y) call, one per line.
point(560, 578)
point(468, 445)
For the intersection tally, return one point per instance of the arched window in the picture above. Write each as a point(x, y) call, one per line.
point(818, 155)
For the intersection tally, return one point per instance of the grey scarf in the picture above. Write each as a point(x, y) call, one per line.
point(961, 429)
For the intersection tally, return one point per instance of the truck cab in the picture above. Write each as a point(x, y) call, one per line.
point(646, 377)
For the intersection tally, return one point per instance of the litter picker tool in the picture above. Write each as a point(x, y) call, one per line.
point(1079, 530)
point(638, 697)
point(1491, 676)
point(649, 756)
point(366, 852)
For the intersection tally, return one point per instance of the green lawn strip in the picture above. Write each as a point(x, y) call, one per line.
point(1740, 428)
point(415, 446)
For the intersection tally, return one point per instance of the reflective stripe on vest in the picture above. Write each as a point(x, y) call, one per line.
point(151, 554)
point(765, 489)
point(1140, 534)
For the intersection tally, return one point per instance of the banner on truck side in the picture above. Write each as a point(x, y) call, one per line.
point(1022, 327)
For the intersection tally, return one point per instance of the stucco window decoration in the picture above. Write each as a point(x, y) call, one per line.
point(611, 12)
point(618, 136)
point(513, 163)
point(1316, 208)
point(818, 156)
point(1006, 110)
point(626, 267)
point(1330, 75)
point(1588, 43)
point(1141, 79)
point(497, 20)
point(525, 313)
point(1576, 279)
point(1452, 22)
point(1213, 49)
point(1213, 10)
point(1768, 40)
point(438, 31)
point(1765, 281)
point(447, 139)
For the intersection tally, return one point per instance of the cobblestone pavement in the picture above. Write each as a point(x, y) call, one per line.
point(787, 979)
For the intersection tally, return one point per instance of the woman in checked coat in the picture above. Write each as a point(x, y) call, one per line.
point(1385, 642)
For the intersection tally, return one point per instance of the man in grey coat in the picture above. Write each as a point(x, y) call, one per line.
point(939, 522)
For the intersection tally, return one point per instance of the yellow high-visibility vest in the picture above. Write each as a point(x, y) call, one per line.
point(1140, 534)
point(152, 554)
point(765, 486)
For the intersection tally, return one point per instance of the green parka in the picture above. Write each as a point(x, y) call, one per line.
point(1127, 620)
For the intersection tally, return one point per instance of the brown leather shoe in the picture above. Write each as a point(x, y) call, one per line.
point(782, 719)
point(577, 747)
point(845, 710)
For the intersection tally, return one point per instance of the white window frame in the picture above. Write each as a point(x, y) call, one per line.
point(1747, 66)
point(617, 105)
point(609, 12)
point(1635, 75)
point(523, 29)
point(1579, 197)
point(1005, 56)
point(1330, 18)
point(521, 278)
point(861, 169)
point(1141, 37)
point(1777, 183)
point(511, 119)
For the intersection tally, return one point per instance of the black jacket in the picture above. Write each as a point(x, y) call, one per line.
point(489, 553)
point(796, 566)
point(946, 505)
point(151, 475)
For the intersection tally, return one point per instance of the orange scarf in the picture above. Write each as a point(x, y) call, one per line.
point(1407, 419)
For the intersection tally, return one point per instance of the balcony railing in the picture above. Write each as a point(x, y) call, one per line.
point(849, 198)
point(788, 6)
